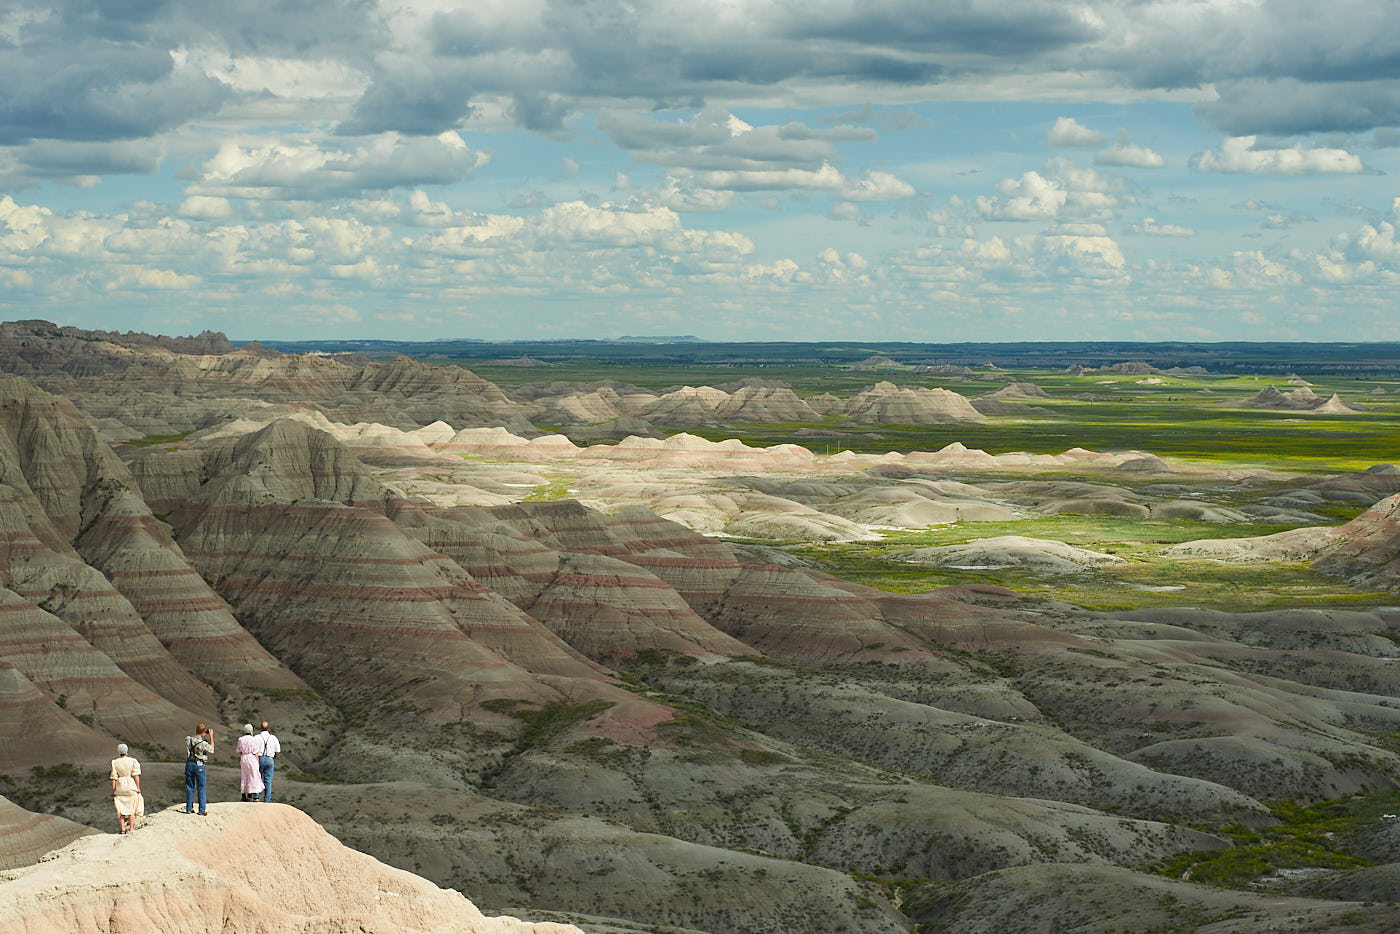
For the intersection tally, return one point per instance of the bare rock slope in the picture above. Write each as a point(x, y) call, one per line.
point(186, 875)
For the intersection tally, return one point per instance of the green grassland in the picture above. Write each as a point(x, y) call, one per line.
point(1148, 579)
point(1193, 417)
point(1198, 418)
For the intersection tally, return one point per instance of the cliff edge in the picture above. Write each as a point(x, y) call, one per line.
point(264, 868)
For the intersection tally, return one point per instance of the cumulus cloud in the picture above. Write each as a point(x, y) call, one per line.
point(1125, 153)
point(1237, 154)
point(1031, 197)
point(1068, 131)
point(303, 169)
point(877, 186)
point(1082, 255)
point(1062, 188)
point(206, 207)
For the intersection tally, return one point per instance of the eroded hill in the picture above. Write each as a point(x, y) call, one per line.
point(521, 667)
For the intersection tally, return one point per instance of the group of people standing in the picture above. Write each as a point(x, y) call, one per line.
point(257, 758)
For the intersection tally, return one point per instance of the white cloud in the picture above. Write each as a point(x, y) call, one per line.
point(206, 208)
point(141, 278)
point(425, 212)
point(826, 178)
point(1061, 188)
point(304, 169)
point(1125, 153)
point(1377, 243)
point(289, 78)
point(1150, 227)
point(1237, 154)
point(1083, 255)
point(1031, 197)
point(1068, 131)
point(877, 186)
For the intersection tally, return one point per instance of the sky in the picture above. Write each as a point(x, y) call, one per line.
point(920, 170)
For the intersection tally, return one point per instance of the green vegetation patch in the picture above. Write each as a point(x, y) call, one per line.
point(153, 440)
point(1147, 579)
point(1317, 836)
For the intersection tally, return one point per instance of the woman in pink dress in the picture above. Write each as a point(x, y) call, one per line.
point(251, 777)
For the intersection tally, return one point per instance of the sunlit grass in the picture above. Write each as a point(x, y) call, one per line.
point(1147, 579)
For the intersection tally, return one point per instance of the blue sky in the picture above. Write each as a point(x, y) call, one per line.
point(887, 169)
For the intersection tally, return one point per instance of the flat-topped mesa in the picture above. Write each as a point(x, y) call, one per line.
point(175, 876)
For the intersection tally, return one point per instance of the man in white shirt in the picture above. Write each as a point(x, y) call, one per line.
point(269, 749)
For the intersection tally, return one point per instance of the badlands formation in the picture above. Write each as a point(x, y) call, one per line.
point(180, 874)
point(605, 684)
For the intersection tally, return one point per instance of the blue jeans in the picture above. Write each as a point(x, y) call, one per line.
point(265, 767)
point(194, 779)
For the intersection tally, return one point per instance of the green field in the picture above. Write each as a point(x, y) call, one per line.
point(1199, 417)
point(1147, 579)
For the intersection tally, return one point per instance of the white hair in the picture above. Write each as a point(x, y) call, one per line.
point(121, 749)
point(248, 728)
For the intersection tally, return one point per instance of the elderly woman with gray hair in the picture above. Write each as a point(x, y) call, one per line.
point(250, 775)
point(126, 790)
